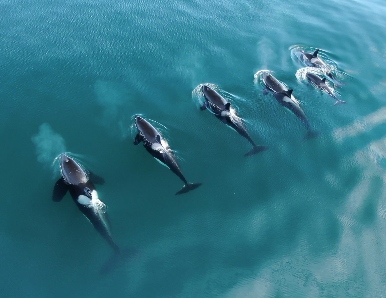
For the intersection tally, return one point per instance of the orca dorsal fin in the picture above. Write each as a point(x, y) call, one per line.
point(227, 106)
point(315, 54)
point(158, 138)
point(324, 80)
point(289, 92)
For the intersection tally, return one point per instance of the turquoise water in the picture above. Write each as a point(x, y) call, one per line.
point(302, 219)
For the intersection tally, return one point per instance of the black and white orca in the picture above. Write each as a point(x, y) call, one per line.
point(78, 182)
point(285, 97)
point(159, 148)
point(222, 109)
point(321, 84)
point(313, 60)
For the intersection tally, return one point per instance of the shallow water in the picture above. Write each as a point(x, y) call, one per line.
point(302, 219)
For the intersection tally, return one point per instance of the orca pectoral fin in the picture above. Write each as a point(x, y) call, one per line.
point(60, 190)
point(227, 106)
point(256, 149)
point(266, 91)
point(96, 179)
point(188, 187)
point(315, 54)
point(138, 139)
point(203, 107)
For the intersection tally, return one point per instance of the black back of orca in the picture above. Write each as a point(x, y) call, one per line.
point(213, 100)
point(274, 84)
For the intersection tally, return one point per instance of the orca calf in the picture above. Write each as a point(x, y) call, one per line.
point(158, 147)
point(285, 97)
point(222, 109)
point(313, 60)
point(321, 84)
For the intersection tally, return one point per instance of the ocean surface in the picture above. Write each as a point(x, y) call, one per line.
point(305, 218)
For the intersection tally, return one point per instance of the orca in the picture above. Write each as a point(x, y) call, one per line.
point(222, 109)
point(80, 184)
point(285, 97)
point(159, 148)
point(321, 84)
point(313, 60)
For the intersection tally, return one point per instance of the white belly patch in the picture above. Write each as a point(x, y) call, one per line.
point(94, 203)
point(84, 200)
point(224, 113)
point(156, 146)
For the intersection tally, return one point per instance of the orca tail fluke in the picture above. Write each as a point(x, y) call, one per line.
point(338, 102)
point(256, 149)
point(188, 187)
point(117, 259)
point(311, 134)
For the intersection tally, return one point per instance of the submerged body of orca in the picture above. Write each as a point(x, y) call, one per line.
point(82, 190)
point(322, 85)
point(217, 104)
point(285, 97)
point(158, 147)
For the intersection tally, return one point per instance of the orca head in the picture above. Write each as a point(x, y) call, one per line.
point(206, 91)
point(268, 80)
point(72, 172)
point(147, 130)
point(264, 75)
point(138, 120)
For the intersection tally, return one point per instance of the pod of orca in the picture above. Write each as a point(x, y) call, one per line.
point(80, 183)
